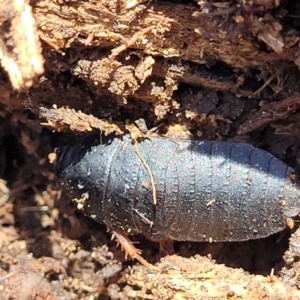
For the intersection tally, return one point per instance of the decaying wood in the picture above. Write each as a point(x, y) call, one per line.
point(61, 118)
point(199, 278)
point(20, 49)
point(270, 112)
point(193, 69)
point(168, 30)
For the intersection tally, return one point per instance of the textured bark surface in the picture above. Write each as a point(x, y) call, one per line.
point(210, 69)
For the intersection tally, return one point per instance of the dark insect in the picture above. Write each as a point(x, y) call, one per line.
point(203, 191)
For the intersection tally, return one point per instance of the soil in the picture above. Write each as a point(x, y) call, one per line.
point(190, 69)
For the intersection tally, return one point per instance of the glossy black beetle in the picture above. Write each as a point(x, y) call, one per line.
point(205, 191)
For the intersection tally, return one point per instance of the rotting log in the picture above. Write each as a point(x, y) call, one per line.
point(233, 36)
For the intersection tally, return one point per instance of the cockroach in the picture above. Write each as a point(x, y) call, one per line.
point(205, 190)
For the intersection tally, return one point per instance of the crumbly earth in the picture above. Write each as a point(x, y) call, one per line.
point(213, 70)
